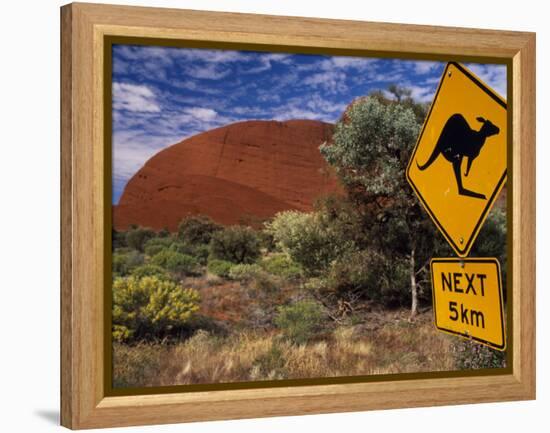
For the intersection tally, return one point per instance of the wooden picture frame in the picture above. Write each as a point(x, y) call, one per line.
point(85, 402)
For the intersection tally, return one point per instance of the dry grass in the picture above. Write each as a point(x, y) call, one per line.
point(391, 345)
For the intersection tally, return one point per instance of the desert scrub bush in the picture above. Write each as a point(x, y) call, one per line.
point(123, 263)
point(267, 243)
point(264, 283)
point(469, 355)
point(369, 275)
point(197, 230)
point(199, 251)
point(301, 321)
point(155, 245)
point(135, 365)
point(308, 239)
point(150, 270)
point(150, 308)
point(357, 272)
point(244, 272)
point(270, 365)
point(235, 244)
point(177, 263)
point(118, 239)
point(136, 237)
point(219, 268)
point(281, 265)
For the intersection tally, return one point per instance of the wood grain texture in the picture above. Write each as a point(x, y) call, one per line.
point(524, 215)
point(83, 400)
point(67, 394)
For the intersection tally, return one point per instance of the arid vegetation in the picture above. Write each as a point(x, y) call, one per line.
point(340, 291)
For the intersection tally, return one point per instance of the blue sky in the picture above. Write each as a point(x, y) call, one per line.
point(162, 95)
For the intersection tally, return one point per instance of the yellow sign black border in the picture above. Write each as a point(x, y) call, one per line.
point(461, 252)
point(491, 260)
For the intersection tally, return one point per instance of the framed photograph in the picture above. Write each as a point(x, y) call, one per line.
point(264, 215)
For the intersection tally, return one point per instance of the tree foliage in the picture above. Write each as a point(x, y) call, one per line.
point(370, 150)
point(236, 244)
point(491, 241)
point(308, 238)
point(371, 146)
point(198, 229)
point(137, 236)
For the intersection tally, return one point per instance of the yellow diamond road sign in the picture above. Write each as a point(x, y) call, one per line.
point(458, 166)
point(467, 297)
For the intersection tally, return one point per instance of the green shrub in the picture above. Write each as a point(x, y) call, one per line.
point(220, 268)
point(124, 262)
point(244, 271)
point(491, 241)
point(235, 244)
point(155, 245)
point(196, 230)
point(176, 262)
point(201, 253)
point(198, 251)
point(301, 321)
point(357, 272)
point(123, 250)
point(150, 308)
point(469, 355)
point(164, 233)
point(308, 239)
point(150, 270)
point(264, 283)
point(370, 275)
point(136, 237)
point(281, 265)
point(118, 239)
point(267, 242)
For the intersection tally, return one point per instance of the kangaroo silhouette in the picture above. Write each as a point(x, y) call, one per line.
point(458, 141)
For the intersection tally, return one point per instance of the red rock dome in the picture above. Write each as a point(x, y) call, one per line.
point(242, 172)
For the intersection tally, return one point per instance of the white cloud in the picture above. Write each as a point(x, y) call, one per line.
point(432, 80)
point(266, 60)
point(133, 97)
point(424, 66)
point(422, 93)
point(339, 63)
point(250, 111)
point(315, 108)
point(211, 56)
point(290, 113)
point(203, 114)
point(342, 62)
point(208, 72)
point(132, 149)
point(493, 75)
point(321, 105)
point(167, 55)
point(386, 77)
point(332, 81)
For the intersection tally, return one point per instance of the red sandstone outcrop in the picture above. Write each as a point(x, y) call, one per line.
point(246, 171)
